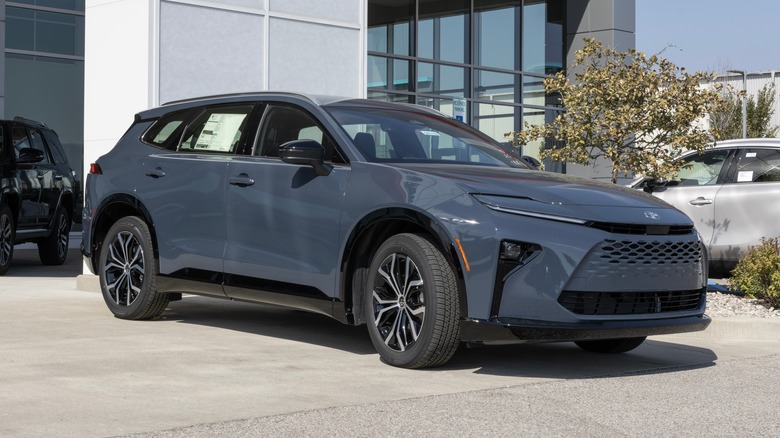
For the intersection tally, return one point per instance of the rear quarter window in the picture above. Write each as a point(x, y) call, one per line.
point(166, 131)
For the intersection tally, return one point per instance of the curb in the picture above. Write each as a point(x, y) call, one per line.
point(743, 329)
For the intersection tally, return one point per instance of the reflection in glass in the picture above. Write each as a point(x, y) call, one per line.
point(441, 79)
point(536, 117)
point(443, 31)
point(42, 31)
point(495, 120)
point(389, 26)
point(390, 97)
point(388, 73)
point(543, 36)
point(494, 36)
point(490, 85)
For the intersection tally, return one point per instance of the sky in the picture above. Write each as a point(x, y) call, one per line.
point(711, 35)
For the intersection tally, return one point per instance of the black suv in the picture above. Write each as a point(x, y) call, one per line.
point(39, 192)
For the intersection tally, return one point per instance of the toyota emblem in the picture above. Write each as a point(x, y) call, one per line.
point(652, 215)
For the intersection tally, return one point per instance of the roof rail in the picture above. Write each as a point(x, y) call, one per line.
point(30, 122)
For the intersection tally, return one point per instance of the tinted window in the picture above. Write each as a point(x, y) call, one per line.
point(55, 147)
point(166, 130)
point(701, 170)
point(20, 139)
point(392, 135)
point(37, 142)
point(758, 165)
point(282, 124)
point(2, 144)
point(215, 130)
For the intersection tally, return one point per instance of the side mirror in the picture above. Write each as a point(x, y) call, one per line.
point(652, 184)
point(306, 153)
point(29, 156)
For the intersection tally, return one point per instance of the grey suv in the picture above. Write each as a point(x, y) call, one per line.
point(388, 215)
point(39, 192)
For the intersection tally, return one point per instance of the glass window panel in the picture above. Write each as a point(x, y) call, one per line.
point(758, 165)
point(75, 5)
point(495, 120)
point(443, 31)
point(401, 39)
point(441, 79)
point(495, 38)
point(20, 29)
point(444, 106)
point(377, 39)
point(45, 31)
point(387, 73)
point(389, 26)
point(543, 36)
point(490, 85)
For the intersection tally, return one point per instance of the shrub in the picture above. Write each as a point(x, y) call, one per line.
point(758, 272)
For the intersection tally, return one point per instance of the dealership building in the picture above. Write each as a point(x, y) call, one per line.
point(86, 67)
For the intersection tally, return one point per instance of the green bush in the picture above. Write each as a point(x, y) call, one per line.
point(758, 272)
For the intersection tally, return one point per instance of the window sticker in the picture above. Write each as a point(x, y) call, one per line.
point(750, 155)
point(219, 132)
point(745, 176)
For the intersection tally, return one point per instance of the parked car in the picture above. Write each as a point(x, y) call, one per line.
point(388, 215)
point(732, 194)
point(39, 192)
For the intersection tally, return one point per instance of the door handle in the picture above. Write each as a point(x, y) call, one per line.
point(156, 173)
point(242, 180)
point(39, 175)
point(57, 177)
point(700, 201)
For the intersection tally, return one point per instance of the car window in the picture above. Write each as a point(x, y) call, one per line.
point(393, 135)
point(2, 144)
point(758, 165)
point(55, 147)
point(701, 169)
point(166, 128)
point(37, 142)
point(216, 130)
point(20, 139)
point(282, 124)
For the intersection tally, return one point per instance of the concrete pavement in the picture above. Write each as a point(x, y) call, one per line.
point(219, 368)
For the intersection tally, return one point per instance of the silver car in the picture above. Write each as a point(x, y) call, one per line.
point(732, 194)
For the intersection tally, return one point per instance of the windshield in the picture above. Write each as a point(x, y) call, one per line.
point(395, 135)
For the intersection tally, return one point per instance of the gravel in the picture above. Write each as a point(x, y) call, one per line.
point(729, 305)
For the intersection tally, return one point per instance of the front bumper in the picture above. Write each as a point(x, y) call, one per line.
point(510, 330)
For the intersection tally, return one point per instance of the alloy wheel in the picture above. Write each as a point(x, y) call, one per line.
point(398, 302)
point(124, 268)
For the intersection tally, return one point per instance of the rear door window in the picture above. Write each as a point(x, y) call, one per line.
point(758, 166)
point(216, 130)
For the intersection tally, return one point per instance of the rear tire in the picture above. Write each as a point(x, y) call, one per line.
point(7, 236)
point(127, 270)
point(611, 345)
point(53, 250)
point(411, 303)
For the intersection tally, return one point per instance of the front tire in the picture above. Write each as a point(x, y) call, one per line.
point(53, 250)
point(611, 345)
point(411, 303)
point(127, 270)
point(7, 236)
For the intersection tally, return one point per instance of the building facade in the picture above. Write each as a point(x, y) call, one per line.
point(85, 67)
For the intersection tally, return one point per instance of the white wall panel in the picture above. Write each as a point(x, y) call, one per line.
point(335, 10)
point(314, 58)
point(205, 51)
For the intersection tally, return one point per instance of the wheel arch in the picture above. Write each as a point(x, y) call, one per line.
point(112, 209)
point(366, 237)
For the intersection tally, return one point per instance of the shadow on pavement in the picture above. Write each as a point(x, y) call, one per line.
point(26, 263)
point(551, 360)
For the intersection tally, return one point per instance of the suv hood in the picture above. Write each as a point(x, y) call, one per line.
point(555, 194)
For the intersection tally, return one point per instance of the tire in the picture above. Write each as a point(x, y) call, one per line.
point(7, 236)
point(127, 270)
point(53, 250)
point(611, 345)
point(416, 327)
